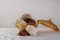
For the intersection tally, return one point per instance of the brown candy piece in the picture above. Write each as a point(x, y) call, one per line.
point(24, 33)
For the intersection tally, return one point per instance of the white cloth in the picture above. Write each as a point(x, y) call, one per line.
point(31, 30)
point(11, 34)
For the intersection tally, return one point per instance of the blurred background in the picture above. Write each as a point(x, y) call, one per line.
point(10, 10)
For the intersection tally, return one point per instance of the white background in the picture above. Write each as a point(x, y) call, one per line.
point(10, 10)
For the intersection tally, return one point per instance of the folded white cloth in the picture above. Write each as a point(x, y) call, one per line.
point(31, 30)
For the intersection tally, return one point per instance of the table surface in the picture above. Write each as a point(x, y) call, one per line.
point(42, 34)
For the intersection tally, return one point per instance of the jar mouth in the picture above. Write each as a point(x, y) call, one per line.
point(30, 21)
